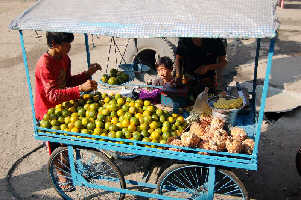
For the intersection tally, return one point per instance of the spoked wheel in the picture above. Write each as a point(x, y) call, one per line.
point(92, 166)
point(191, 182)
point(298, 161)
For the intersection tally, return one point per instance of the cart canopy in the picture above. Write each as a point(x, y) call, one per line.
point(153, 18)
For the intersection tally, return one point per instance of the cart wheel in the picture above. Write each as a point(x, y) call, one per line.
point(298, 161)
point(94, 166)
point(191, 182)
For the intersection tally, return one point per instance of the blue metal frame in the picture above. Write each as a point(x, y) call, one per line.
point(264, 95)
point(28, 78)
point(223, 159)
point(87, 49)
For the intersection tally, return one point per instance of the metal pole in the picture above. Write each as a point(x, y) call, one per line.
point(87, 49)
point(264, 94)
point(28, 78)
point(256, 66)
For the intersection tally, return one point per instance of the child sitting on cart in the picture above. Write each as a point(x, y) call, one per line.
point(164, 69)
point(53, 80)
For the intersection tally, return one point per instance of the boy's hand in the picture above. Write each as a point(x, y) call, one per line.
point(93, 68)
point(87, 86)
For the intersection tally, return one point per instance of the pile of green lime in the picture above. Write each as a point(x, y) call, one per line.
point(115, 77)
point(114, 116)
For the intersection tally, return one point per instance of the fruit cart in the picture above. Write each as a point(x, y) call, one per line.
point(198, 173)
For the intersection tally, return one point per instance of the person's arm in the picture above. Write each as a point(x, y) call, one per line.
point(178, 66)
point(79, 79)
point(203, 69)
point(56, 95)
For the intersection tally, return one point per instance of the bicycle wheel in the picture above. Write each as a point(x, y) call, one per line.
point(298, 161)
point(94, 166)
point(191, 182)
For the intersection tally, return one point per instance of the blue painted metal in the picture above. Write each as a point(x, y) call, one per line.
point(87, 49)
point(264, 94)
point(72, 166)
point(27, 77)
point(132, 192)
point(211, 181)
point(247, 163)
point(69, 135)
point(143, 184)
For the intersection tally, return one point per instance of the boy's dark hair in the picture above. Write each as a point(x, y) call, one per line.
point(58, 38)
point(166, 61)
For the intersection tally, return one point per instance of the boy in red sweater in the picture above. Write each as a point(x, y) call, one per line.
point(53, 79)
point(55, 84)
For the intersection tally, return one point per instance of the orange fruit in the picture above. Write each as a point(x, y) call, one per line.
point(112, 134)
point(134, 121)
point(97, 131)
point(119, 134)
point(147, 103)
point(73, 118)
point(155, 135)
point(150, 109)
point(120, 101)
point(72, 109)
point(147, 119)
point(106, 99)
point(171, 119)
point(99, 124)
point(85, 121)
point(113, 127)
point(132, 110)
point(147, 113)
point(180, 119)
point(132, 104)
point(54, 122)
point(91, 126)
point(46, 117)
point(45, 124)
point(84, 131)
point(114, 120)
point(165, 129)
point(143, 126)
point(63, 126)
point(125, 123)
point(120, 113)
point(153, 125)
point(137, 135)
point(78, 124)
point(86, 96)
point(76, 130)
point(131, 128)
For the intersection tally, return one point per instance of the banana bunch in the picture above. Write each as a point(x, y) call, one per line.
point(223, 103)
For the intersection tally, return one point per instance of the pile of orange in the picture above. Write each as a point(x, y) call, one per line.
point(114, 116)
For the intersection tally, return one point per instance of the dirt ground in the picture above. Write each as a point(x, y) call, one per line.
point(276, 177)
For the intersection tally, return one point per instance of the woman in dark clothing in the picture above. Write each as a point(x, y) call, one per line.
point(199, 59)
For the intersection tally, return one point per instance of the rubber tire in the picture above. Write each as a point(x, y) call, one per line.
point(228, 173)
point(105, 158)
point(162, 47)
point(298, 161)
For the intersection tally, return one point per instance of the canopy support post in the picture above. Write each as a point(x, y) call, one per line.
point(256, 66)
point(28, 78)
point(87, 49)
point(264, 94)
